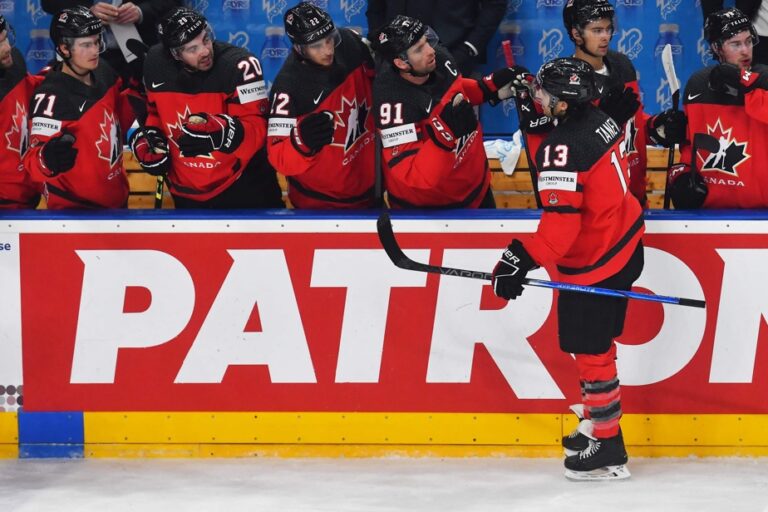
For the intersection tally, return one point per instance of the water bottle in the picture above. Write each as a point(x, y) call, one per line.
point(273, 53)
point(669, 33)
point(40, 50)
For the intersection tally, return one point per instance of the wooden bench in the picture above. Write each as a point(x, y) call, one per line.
point(510, 191)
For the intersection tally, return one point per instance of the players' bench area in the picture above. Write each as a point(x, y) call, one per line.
point(510, 191)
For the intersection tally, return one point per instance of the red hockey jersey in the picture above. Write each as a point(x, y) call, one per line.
point(591, 223)
point(233, 86)
point(417, 172)
point(95, 116)
point(17, 190)
point(737, 175)
point(341, 174)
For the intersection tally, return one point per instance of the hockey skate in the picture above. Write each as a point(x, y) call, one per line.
point(578, 439)
point(603, 459)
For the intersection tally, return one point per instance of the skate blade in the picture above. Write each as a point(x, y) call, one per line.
point(607, 473)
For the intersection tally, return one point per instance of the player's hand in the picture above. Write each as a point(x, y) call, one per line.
point(58, 154)
point(687, 190)
point(620, 104)
point(314, 132)
point(205, 133)
point(730, 79)
point(128, 13)
point(106, 12)
point(456, 120)
point(509, 273)
point(504, 83)
point(668, 128)
point(150, 147)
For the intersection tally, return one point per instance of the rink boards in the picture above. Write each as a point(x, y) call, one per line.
point(165, 334)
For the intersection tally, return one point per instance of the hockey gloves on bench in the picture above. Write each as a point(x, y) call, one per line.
point(58, 155)
point(668, 128)
point(687, 190)
point(205, 133)
point(620, 104)
point(456, 120)
point(150, 147)
point(509, 273)
point(313, 132)
point(504, 83)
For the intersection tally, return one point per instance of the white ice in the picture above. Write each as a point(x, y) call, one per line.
point(384, 484)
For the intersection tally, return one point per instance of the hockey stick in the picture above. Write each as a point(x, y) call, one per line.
point(398, 257)
point(139, 49)
point(509, 57)
point(674, 87)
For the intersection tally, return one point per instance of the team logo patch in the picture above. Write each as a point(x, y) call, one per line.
point(108, 145)
point(553, 199)
point(18, 136)
point(731, 154)
point(352, 115)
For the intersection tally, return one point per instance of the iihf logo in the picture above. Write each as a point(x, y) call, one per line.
point(240, 38)
point(667, 7)
point(273, 8)
point(35, 11)
point(352, 8)
point(551, 44)
point(629, 43)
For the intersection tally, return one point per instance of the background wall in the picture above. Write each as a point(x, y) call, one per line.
point(533, 26)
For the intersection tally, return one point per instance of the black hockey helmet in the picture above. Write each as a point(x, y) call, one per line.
point(578, 13)
point(724, 24)
point(180, 26)
point(6, 27)
point(393, 40)
point(74, 22)
point(568, 79)
point(306, 24)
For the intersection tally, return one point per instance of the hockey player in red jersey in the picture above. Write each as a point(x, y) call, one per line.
point(207, 119)
point(17, 190)
point(321, 128)
point(433, 154)
point(589, 234)
point(76, 145)
point(728, 101)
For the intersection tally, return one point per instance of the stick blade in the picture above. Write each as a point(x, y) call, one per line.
point(669, 68)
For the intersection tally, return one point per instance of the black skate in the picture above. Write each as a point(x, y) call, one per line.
point(578, 439)
point(603, 459)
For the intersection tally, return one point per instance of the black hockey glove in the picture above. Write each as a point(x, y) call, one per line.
point(456, 120)
point(313, 132)
point(504, 83)
point(463, 59)
point(205, 133)
point(531, 120)
point(58, 155)
point(730, 79)
point(620, 104)
point(668, 128)
point(687, 190)
point(509, 273)
point(150, 147)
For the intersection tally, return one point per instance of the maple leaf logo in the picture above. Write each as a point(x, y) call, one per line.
point(18, 136)
point(730, 155)
point(175, 129)
point(108, 145)
point(351, 116)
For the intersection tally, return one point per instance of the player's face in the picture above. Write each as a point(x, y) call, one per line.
point(84, 52)
point(321, 52)
point(597, 36)
point(6, 60)
point(738, 50)
point(198, 53)
point(549, 105)
point(421, 56)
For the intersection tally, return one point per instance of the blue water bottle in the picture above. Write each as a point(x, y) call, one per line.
point(273, 53)
point(669, 33)
point(40, 50)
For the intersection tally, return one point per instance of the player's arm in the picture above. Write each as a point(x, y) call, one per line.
point(52, 149)
point(753, 84)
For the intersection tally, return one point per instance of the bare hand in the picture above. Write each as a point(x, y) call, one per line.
point(128, 13)
point(105, 12)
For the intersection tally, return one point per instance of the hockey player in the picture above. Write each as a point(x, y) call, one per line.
point(17, 190)
point(589, 234)
point(727, 101)
point(76, 145)
point(321, 128)
point(590, 25)
point(207, 119)
point(433, 154)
